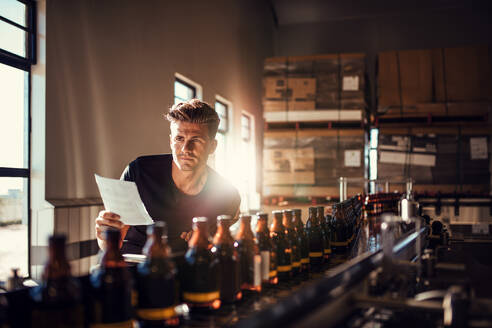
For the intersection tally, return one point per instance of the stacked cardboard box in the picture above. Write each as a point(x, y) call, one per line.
point(314, 82)
point(312, 159)
point(435, 159)
point(412, 82)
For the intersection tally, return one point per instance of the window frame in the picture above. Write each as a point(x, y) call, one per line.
point(24, 63)
point(227, 116)
point(249, 118)
point(198, 90)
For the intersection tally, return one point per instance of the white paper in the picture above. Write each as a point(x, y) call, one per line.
point(352, 158)
point(480, 228)
point(394, 157)
point(122, 198)
point(478, 148)
point(351, 83)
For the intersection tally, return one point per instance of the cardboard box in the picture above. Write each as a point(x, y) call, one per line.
point(468, 75)
point(302, 88)
point(275, 105)
point(274, 88)
point(288, 166)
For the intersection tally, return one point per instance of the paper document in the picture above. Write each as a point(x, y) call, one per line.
point(122, 198)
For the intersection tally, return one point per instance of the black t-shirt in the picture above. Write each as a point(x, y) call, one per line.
point(165, 202)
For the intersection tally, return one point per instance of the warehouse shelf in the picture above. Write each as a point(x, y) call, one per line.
point(315, 115)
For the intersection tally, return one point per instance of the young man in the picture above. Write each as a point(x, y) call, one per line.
point(179, 186)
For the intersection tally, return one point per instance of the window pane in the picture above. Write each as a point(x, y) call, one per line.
point(12, 39)
point(182, 92)
point(13, 226)
point(220, 154)
point(13, 10)
point(13, 104)
point(221, 110)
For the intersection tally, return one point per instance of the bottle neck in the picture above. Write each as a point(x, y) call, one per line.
point(313, 217)
point(277, 225)
point(200, 238)
point(112, 257)
point(156, 247)
point(262, 227)
point(287, 221)
point(245, 230)
point(223, 235)
point(57, 266)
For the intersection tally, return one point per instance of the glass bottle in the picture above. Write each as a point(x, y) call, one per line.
point(313, 230)
point(291, 235)
point(325, 233)
point(228, 255)
point(249, 256)
point(303, 240)
point(267, 252)
point(282, 247)
point(112, 286)
point(201, 273)
point(339, 241)
point(57, 302)
point(156, 281)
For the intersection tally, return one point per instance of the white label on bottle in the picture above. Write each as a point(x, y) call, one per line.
point(265, 265)
point(257, 267)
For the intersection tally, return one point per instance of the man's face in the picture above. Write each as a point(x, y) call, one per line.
point(191, 145)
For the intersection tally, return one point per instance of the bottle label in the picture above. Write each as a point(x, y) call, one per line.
point(156, 314)
point(265, 265)
point(315, 254)
point(296, 264)
point(284, 268)
point(257, 268)
point(327, 250)
point(272, 274)
point(305, 260)
point(124, 324)
point(201, 297)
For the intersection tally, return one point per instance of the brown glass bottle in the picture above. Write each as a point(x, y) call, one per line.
point(156, 281)
point(325, 233)
point(313, 230)
point(291, 235)
point(57, 301)
point(282, 246)
point(339, 242)
point(111, 284)
point(267, 253)
point(249, 256)
point(228, 255)
point(201, 274)
point(303, 240)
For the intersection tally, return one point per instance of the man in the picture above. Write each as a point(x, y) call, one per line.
point(175, 188)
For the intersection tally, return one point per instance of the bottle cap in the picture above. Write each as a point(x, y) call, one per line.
point(224, 217)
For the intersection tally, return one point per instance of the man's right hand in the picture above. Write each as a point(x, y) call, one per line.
point(108, 219)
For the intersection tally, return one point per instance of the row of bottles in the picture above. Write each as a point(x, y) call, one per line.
point(213, 271)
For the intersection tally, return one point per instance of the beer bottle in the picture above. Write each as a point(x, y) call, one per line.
point(249, 256)
point(313, 231)
point(112, 287)
point(57, 302)
point(201, 274)
point(156, 282)
point(339, 240)
point(325, 233)
point(228, 255)
point(268, 255)
point(303, 240)
point(291, 234)
point(282, 246)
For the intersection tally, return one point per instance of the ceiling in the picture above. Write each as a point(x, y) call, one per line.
point(318, 11)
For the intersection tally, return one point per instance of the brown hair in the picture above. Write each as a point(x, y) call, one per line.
point(195, 111)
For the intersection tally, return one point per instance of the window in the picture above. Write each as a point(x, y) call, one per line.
point(245, 128)
point(183, 91)
point(373, 159)
point(223, 111)
point(250, 199)
point(220, 161)
point(17, 50)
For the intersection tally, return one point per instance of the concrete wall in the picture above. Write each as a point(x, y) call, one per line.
point(110, 72)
